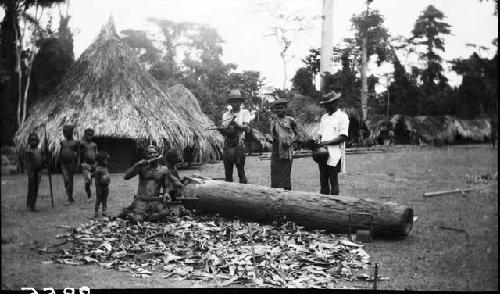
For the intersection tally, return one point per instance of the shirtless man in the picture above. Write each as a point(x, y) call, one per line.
point(69, 159)
point(153, 176)
point(34, 158)
point(88, 154)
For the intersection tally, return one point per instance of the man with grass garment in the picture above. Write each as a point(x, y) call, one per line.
point(333, 131)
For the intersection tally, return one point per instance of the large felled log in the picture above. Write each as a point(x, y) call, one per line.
point(311, 210)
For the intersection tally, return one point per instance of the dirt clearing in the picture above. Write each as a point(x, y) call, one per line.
point(433, 257)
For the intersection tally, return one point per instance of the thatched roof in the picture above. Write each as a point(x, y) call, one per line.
point(433, 129)
point(190, 110)
point(107, 89)
point(478, 130)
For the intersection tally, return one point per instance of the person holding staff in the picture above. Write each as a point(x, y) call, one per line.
point(33, 163)
point(283, 129)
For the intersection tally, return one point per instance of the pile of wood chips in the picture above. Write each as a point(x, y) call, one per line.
point(217, 250)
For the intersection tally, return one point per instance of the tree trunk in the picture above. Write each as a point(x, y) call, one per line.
point(326, 50)
point(311, 210)
point(364, 86)
point(19, 72)
point(284, 70)
point(27, 87)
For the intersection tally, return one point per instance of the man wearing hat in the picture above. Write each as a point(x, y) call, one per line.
point(283, 129)
point(153, 176)
point(233, 127)
point(333, 131)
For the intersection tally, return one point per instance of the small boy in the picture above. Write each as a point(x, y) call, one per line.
point(69, 159)
point(102, 179)
point(33, 163)
point(175, 181)
point(88, 152)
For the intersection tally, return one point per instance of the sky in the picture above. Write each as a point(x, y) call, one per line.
point(243, 28)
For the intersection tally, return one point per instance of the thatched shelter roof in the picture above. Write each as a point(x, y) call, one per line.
point(447, 129)
point(107, 89)
point(432, 129)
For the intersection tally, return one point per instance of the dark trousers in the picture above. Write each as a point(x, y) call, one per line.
point(234, 156)
point(67, 172)
point(33, 183)
point(102, 192)
point(329, 178)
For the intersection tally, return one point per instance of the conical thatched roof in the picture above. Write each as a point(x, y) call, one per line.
point(107, 90)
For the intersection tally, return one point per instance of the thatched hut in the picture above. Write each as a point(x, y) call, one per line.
point(448, 130)
point(107, 89)
point(436, 130)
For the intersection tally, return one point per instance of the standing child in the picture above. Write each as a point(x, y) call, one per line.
point(88, 152)
point(175, 181)
point(69, 159)
point(102, 179)
point(33, 163)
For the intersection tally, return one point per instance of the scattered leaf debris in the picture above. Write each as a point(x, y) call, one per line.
point(210, 248)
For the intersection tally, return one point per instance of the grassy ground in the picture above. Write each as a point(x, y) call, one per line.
point(431, 258)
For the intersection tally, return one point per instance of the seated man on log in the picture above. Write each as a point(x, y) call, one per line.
point(148, 205)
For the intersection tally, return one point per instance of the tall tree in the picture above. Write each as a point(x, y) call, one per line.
point(20, 31)
point(496, 6)
point(53, 59)
point(303, 81)
point(371, 38)
point(312, 62)
point(478, 92)
point(405, 93)
point(345, 79)
point(148, 54)
point(428, 31)
point(286, 28)
point(248, 82)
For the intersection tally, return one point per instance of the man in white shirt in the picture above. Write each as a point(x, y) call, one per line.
point(233, 127)
point(333, 131)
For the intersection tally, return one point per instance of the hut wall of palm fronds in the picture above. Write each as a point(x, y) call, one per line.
point(107, 89)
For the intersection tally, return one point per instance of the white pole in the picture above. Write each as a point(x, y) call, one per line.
point(326, 64)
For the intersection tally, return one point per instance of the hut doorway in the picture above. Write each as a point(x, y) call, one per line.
point(122, 152)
